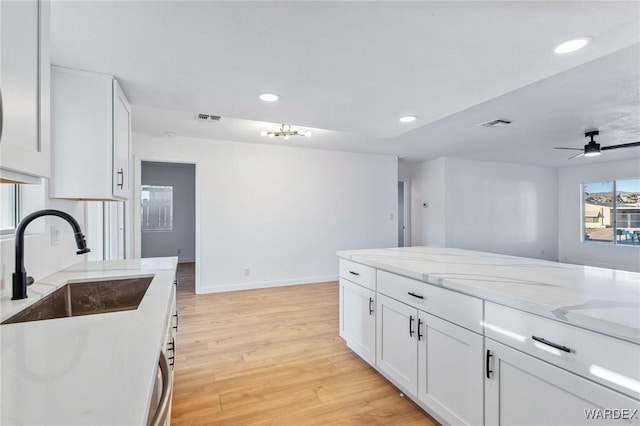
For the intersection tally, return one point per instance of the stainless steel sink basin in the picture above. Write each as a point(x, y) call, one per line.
point(86, 298)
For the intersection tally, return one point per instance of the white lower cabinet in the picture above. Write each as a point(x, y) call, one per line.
point(357, 319)
point(397, 344)
point(523, 390)
point(450, 379)
point(433, 360)
point(472, 362)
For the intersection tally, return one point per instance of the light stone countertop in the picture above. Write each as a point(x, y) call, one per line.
point(88, 370)
point(603, 300)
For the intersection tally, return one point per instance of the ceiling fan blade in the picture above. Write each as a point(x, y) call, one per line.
point(624, 145)
point(576, 156)
point(575, 149)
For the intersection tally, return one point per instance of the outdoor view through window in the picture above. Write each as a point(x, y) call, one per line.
point(612, 212)
point(157, 208)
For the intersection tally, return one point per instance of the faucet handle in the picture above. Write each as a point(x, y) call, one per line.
point(30, 280)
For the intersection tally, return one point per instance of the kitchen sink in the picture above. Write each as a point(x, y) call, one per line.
point(86, 298)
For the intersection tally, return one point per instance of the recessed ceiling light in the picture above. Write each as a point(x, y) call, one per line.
point(269, 97)
point(572, 45)
point(408, 118)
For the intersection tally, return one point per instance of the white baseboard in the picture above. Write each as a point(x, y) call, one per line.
point(187, 260)
point(265, 284)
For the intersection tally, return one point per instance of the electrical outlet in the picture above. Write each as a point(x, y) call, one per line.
point(179, 251)
point(391, 216)
point(55, 235)
point(247, 272)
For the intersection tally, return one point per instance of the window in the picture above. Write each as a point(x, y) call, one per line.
point(9, 205)
point(157, 208)
point(611, 212)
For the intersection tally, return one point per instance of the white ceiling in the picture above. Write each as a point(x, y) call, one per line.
point(349, 70)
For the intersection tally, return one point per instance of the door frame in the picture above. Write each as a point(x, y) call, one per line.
point(406, 237)
point(135, 210)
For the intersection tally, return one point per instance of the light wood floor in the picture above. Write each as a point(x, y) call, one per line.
point(273, 356)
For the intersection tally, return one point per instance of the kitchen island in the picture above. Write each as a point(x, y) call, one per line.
point(482, 338)
point(87, 370)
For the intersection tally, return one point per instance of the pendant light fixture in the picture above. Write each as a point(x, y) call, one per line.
point(286, 130)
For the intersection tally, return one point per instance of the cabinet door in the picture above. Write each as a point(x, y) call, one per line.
point(450, 370)
point(523, 390)
point(121, 142)
point(397, 344)
point(24, 81)
point(357, 319)
point(82, 117)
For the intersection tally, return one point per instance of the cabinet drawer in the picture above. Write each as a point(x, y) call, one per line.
point(360, 274)
point(613, 362)
point(457, 308)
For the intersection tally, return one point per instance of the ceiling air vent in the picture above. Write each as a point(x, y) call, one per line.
point(500, 122)
point(207, 117)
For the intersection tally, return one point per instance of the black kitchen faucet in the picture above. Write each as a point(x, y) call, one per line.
point(20, 279)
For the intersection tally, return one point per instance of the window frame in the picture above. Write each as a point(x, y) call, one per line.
point(171, 227)
point(614, 215)
point(16, 211)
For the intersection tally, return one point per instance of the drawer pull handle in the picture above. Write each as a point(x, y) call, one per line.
point(354, 273)
point(489, 371)
point(420, 335)
point(121, 178)
point(175, 327)
point(411, 325)
point(371, 306)
point(553, 345)
point(415, 295)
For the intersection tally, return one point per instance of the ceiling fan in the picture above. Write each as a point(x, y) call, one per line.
point(593, 148)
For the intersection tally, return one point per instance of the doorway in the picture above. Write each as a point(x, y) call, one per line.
point(403, 214)
point(168, 216)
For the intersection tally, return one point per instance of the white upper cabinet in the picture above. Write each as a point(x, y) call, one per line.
point(121, 142)
point(25, 85)
point(91, 132)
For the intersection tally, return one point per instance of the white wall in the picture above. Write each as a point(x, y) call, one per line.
point(571, 249)
point(427, 180)
point(41, 258)
point(432, 190)
point(182, 237)
point(502, 208)
point(280, 211)
point(486, 206)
